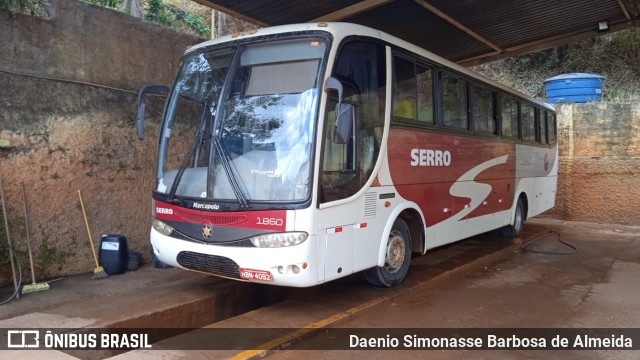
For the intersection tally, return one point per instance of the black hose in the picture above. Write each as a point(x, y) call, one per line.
point(15, 257)
point(549, 234)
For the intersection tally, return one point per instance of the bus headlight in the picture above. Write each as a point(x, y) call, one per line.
point(162, 227)
point(277, 240)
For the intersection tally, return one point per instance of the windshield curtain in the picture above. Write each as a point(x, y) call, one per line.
point(239, 124)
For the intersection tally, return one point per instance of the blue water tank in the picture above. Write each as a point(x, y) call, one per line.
point(574, 87)
point(114, 254)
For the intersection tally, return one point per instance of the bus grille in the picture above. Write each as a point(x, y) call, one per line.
point(212, 264)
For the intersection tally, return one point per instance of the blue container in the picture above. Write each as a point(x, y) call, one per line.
point(574, 87)
point(114, 255)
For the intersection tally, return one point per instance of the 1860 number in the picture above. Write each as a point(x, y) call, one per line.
point(270, 221)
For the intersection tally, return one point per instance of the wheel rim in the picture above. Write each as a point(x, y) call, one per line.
point(395, 252)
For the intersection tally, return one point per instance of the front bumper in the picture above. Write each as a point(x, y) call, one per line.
point(289, 266)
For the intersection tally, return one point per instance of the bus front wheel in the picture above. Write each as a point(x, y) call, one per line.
point(397, 258)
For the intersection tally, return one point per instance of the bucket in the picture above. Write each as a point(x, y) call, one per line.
point(134, 261)
point(574, 87)
point(114, 255)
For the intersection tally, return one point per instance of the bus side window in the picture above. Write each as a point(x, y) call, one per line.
point(413, 91)
point(541, 122)
point(483, 111)
point(405, 91)
point(528, 121)
point(509, 116)
point(424, 76)
point(455, 103)
point(551, 128)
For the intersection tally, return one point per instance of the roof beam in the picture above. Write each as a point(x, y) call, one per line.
point(457, 24)
point(542, 44)
point(351, 10)
point(233, 13)
point(624, 10)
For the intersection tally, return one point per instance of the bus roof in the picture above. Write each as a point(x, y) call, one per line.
point(340, 30)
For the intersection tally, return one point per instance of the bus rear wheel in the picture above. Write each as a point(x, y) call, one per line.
point(397, 258)
point(512, 231)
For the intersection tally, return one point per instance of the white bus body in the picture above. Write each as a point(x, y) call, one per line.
point(273, 187)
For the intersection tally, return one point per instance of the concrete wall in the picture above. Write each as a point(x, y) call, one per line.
point(599, 174)
point(67, 106)
point(91, 44)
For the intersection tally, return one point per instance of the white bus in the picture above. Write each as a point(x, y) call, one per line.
point(298, 154)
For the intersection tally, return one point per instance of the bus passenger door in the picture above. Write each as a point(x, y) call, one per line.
point(354, 244)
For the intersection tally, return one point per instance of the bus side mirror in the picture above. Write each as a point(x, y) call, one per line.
point(148, 89)
point(334, 84)
point(344, 125)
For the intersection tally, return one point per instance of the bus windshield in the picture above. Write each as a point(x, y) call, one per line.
point(239, 123)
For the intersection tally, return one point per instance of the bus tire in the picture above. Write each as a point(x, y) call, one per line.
point(156, 263)
point(514, 230)
point(397, 258)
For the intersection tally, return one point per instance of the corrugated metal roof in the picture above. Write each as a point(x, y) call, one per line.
point(465, 31)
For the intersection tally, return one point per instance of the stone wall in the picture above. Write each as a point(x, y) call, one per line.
point(67, 106)
point(91, 44)
point(599, 174)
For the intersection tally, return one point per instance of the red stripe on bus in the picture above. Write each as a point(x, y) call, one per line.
point(424, 167)
point(264, 220)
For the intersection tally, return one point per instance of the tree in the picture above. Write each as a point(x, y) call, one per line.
point(134, 8)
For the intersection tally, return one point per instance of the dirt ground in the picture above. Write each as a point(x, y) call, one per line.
point(595, 287)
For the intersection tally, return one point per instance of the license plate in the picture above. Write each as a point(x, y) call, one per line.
point(250, 274)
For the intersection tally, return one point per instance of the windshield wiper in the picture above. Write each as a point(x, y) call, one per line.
point(196, 143)
point(194, 149)
point(215, 137)
point(226, 165)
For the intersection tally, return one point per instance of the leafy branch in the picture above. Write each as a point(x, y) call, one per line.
point(171, 15)
point(27, 7)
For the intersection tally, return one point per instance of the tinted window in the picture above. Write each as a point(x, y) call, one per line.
point(424, 76)
point(527, 115)
point(405, 101)
point(483, 112)
point(454, 101)
point(413, 91)
point(509, 116)
point(542, 123)
point(551, 128)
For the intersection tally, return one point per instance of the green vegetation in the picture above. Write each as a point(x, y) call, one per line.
point(159, 11)
point(111, 4)
point(168, 14)
point(164, 13)
point(616, 56)
point(28, 7)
